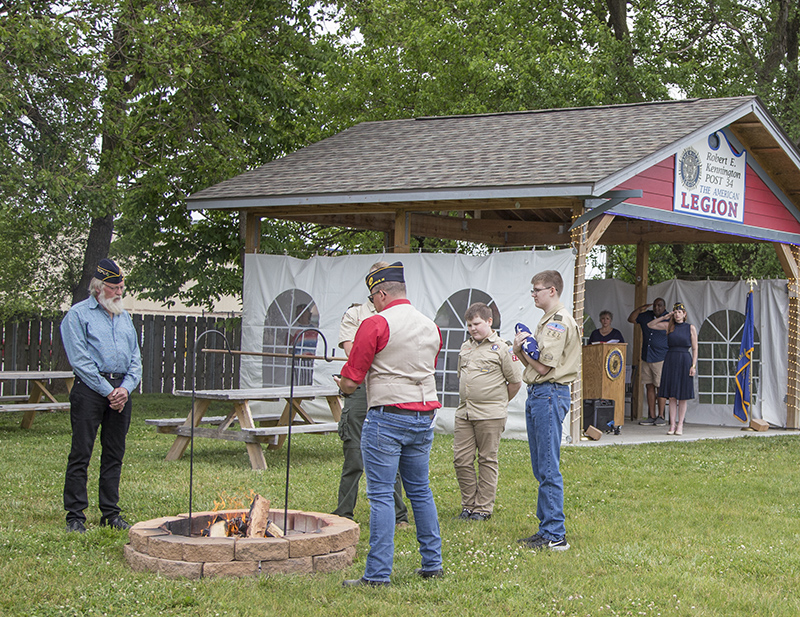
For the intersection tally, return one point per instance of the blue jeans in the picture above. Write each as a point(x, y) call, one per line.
point(392, 442)
point(545, 409)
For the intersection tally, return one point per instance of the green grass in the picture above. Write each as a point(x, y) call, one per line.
point(702, 528)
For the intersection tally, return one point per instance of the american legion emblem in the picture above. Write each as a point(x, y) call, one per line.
point(689, 168)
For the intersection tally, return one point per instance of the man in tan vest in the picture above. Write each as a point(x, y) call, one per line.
point(394, 352)
point(352, 422)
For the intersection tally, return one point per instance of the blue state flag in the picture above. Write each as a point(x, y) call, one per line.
point(741, 402)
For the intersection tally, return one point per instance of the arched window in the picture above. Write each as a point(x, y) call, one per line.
point(289, 314)
point(718, 342)
point(450, 320)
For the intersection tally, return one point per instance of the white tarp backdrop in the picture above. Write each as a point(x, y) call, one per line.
point(334, 283)
point(282, 286)
point(706, 303)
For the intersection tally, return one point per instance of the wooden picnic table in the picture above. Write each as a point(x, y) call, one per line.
point(273, 427)
point(32, 403)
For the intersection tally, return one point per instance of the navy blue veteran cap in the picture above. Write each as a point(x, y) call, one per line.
point(391, 273)
point(108, 272)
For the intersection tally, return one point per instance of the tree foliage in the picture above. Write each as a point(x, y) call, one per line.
point(112, 111)
point(115, 111)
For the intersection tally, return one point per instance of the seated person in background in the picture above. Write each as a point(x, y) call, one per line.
point(605, 333)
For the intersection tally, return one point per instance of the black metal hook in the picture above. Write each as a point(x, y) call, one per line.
point(294, 341)
point(191, 431)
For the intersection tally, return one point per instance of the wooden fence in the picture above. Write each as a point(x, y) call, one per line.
point(166, 341)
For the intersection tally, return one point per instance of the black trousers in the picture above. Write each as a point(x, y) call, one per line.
point(88, 412)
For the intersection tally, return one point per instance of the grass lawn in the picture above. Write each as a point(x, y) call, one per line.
point(701, 528)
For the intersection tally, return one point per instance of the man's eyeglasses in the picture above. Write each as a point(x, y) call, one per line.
point(536, 290)
point(371, 296)
point(115, 288)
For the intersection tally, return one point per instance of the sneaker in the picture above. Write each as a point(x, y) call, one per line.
point(480, 516)
point(76, 527)
point(660, 421)
point(430, 573)
point(399, 526)
point(116, 521)
point(530, 541)
point(465, 514)
point(647, 422)
point(538, 543)
point(558, 545)
point(362, 582)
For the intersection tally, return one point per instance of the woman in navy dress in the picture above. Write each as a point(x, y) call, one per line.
point(680, 364)
point(605, 333)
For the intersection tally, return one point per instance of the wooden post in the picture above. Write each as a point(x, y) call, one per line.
point(639, 298)
point(402, 232)
point(251, 231)
point(578, 294)
point(789, 256)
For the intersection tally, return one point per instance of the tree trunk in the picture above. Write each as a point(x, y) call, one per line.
point(96, 249)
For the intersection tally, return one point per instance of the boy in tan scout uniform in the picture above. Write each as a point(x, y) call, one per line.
point(489, 376)
point(551, 358)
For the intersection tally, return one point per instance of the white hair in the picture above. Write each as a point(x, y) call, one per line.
point(95, 286)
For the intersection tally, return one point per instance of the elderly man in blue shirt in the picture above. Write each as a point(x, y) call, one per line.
point(103, 349)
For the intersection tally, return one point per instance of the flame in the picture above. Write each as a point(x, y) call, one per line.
point(231, 502)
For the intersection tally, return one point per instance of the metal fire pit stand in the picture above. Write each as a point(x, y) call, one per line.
point(294, 355)
point(298, 336)
point(191, 431)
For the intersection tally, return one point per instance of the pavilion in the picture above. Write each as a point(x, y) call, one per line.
point(689, 171)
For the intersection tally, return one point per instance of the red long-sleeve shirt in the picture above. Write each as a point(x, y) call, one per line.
point(371, 337)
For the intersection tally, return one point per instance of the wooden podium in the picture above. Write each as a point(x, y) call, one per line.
point(604, 375)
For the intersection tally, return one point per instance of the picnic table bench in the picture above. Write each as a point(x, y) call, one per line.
point(273, 428)
point(33, 402)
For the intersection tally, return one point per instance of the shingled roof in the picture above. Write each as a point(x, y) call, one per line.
point(576, 148)
point(523, 174)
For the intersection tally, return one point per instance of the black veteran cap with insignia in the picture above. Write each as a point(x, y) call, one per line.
point(391, 273)
point(108, 272)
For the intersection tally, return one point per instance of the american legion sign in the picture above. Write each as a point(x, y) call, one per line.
point(710, 178)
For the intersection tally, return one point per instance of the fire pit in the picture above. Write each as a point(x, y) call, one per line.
point(314, 542)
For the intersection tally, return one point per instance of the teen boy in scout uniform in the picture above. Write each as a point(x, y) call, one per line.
point(489, 376)
point(551, 365)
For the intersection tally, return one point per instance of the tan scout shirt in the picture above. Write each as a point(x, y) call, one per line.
point(484, 370)
point(559, 348)
point(352, 318)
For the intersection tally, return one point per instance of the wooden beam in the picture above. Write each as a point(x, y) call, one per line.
point(456, 205)
point(788, 262)
point(597, 227)
point(402, 232)
point(252, 231)
point(495, 232)
point(639, 299)
point(789, 256)
point(578, 297)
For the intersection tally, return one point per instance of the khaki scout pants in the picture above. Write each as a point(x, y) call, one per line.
point(481, 436)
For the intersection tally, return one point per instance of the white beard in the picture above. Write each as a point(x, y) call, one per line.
point(112, 305)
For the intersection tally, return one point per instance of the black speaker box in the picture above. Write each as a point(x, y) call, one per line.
point(597, 412)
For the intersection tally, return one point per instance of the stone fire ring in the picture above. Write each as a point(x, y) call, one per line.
point(314, 542)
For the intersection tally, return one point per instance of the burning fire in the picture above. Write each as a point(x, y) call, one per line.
point(253, 523)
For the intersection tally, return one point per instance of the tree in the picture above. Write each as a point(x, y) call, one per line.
point(115, 111)
point(408, 58)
